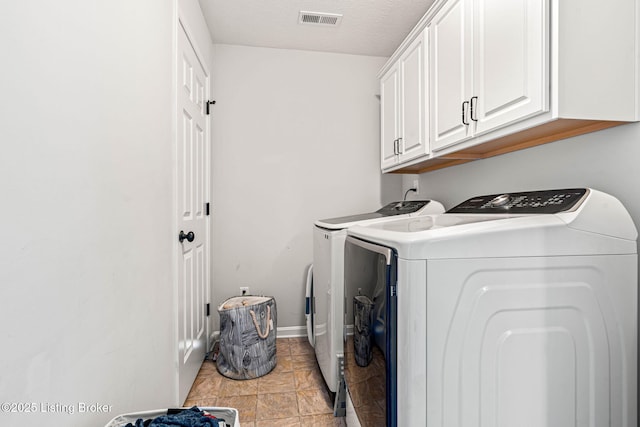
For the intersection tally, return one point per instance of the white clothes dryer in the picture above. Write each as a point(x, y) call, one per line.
point(328, 279)
point(508, 310)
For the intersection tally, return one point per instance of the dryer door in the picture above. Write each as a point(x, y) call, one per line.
point(370, 287)
point(310, 307)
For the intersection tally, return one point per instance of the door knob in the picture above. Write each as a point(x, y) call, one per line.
point(189, 236)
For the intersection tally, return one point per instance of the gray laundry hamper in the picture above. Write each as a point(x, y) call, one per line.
point(247, 337)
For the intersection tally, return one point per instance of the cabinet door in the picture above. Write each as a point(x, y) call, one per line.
point(413, 112)
point(389, 92)
point(450, 71)
point(510, 51)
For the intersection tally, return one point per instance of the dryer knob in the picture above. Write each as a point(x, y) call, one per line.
point(500, 200)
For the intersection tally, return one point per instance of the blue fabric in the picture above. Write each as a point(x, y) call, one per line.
point(188, 418)
point(140, 423)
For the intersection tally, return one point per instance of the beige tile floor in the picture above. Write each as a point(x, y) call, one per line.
point(293, 394)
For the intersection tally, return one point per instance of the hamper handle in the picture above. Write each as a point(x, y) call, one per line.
point(255, 323)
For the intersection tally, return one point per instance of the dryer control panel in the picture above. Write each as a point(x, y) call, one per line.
point(399, 208)
point(529, 202)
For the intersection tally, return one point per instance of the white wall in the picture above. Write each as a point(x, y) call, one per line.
point(86, 291)
point(296, 138)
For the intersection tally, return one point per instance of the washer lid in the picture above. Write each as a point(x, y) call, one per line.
point(389, 211)
point(433, 222)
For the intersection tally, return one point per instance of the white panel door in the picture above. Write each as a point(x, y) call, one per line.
point(192, 190)
point(389, 92)
point(510, 51)
point(413, 111)
point(450, 74)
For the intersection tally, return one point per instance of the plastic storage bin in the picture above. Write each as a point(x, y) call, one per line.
point(247, 337)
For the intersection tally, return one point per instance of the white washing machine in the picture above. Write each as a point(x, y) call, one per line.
point(508, 310)
point(328, 278)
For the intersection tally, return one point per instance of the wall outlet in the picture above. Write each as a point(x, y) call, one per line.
point(415, 185)
point(244, 290)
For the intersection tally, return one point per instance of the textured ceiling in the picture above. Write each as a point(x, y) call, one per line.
point(369, 27)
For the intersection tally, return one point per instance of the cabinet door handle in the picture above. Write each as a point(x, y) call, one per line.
point(473, 105)
point(464, 113)
point(395, 147)
point(399, 145)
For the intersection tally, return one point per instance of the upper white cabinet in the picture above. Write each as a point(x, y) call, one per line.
point(510, 51)
point(450, 74)
point(503, 75)
point(403, 102)
point(487, 66)
point(389, 117)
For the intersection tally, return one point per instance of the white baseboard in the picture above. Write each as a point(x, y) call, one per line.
point(292, 331)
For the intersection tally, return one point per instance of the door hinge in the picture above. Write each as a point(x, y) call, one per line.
point(208, 104)
point(206, 209)
point(208, 309)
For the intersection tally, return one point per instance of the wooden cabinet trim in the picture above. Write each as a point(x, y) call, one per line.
point(542, 134)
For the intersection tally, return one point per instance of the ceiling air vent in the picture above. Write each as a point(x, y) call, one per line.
point(319, 18)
